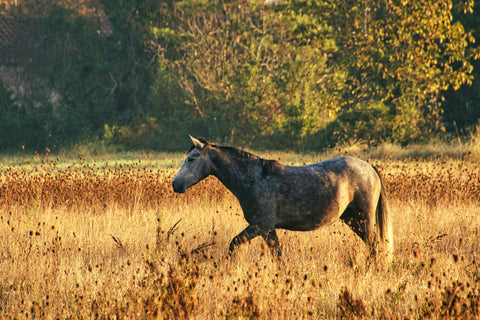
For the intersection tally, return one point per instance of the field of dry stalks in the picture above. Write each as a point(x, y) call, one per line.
point(86, 239)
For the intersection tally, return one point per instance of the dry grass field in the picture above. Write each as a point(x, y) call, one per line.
point(85, 239)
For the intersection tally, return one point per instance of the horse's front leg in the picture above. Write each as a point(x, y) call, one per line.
point(271, 239)
point(250, 232)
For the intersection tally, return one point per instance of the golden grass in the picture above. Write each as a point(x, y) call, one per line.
point(90, 240)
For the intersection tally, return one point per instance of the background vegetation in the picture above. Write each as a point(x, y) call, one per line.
point(283, 74)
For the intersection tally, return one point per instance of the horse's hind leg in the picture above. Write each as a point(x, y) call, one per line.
point(271, 239)
point(361, 222)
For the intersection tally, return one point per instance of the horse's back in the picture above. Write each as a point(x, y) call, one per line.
point(340, 164)
point(341, 168)
point(352, 175)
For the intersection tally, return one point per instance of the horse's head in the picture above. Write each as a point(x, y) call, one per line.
point(196, 167)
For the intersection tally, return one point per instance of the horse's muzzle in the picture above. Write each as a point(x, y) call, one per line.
point(178, 186)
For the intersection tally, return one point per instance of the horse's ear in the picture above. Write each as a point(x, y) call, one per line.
point(197, 143)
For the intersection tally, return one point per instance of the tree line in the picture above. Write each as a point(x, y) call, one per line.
point(302, 74)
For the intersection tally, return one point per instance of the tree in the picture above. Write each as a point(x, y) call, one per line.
point(310, 71)
point(403, 55)
point(246, 70)
point(293, 74)
point(462, 107)
point(75, 74)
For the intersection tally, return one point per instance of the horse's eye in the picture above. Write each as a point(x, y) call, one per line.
point(190, 159)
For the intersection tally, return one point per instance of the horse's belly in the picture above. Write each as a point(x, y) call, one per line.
point(307, 221)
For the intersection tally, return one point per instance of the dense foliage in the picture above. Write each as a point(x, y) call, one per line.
point(282, 74)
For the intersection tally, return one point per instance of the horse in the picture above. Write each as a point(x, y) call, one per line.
point(273, 195)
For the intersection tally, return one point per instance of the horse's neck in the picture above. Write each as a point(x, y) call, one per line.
point(234, 173)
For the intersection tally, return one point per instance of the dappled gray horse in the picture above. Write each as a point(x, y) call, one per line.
point(299, 198)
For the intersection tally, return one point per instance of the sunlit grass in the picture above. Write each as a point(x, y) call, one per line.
point(93, 238)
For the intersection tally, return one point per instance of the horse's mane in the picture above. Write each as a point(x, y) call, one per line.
point(238, 153)
point(268, 166)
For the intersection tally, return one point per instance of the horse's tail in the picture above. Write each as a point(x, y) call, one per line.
point(384, 224)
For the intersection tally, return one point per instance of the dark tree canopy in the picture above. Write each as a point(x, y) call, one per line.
point(282, 74)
